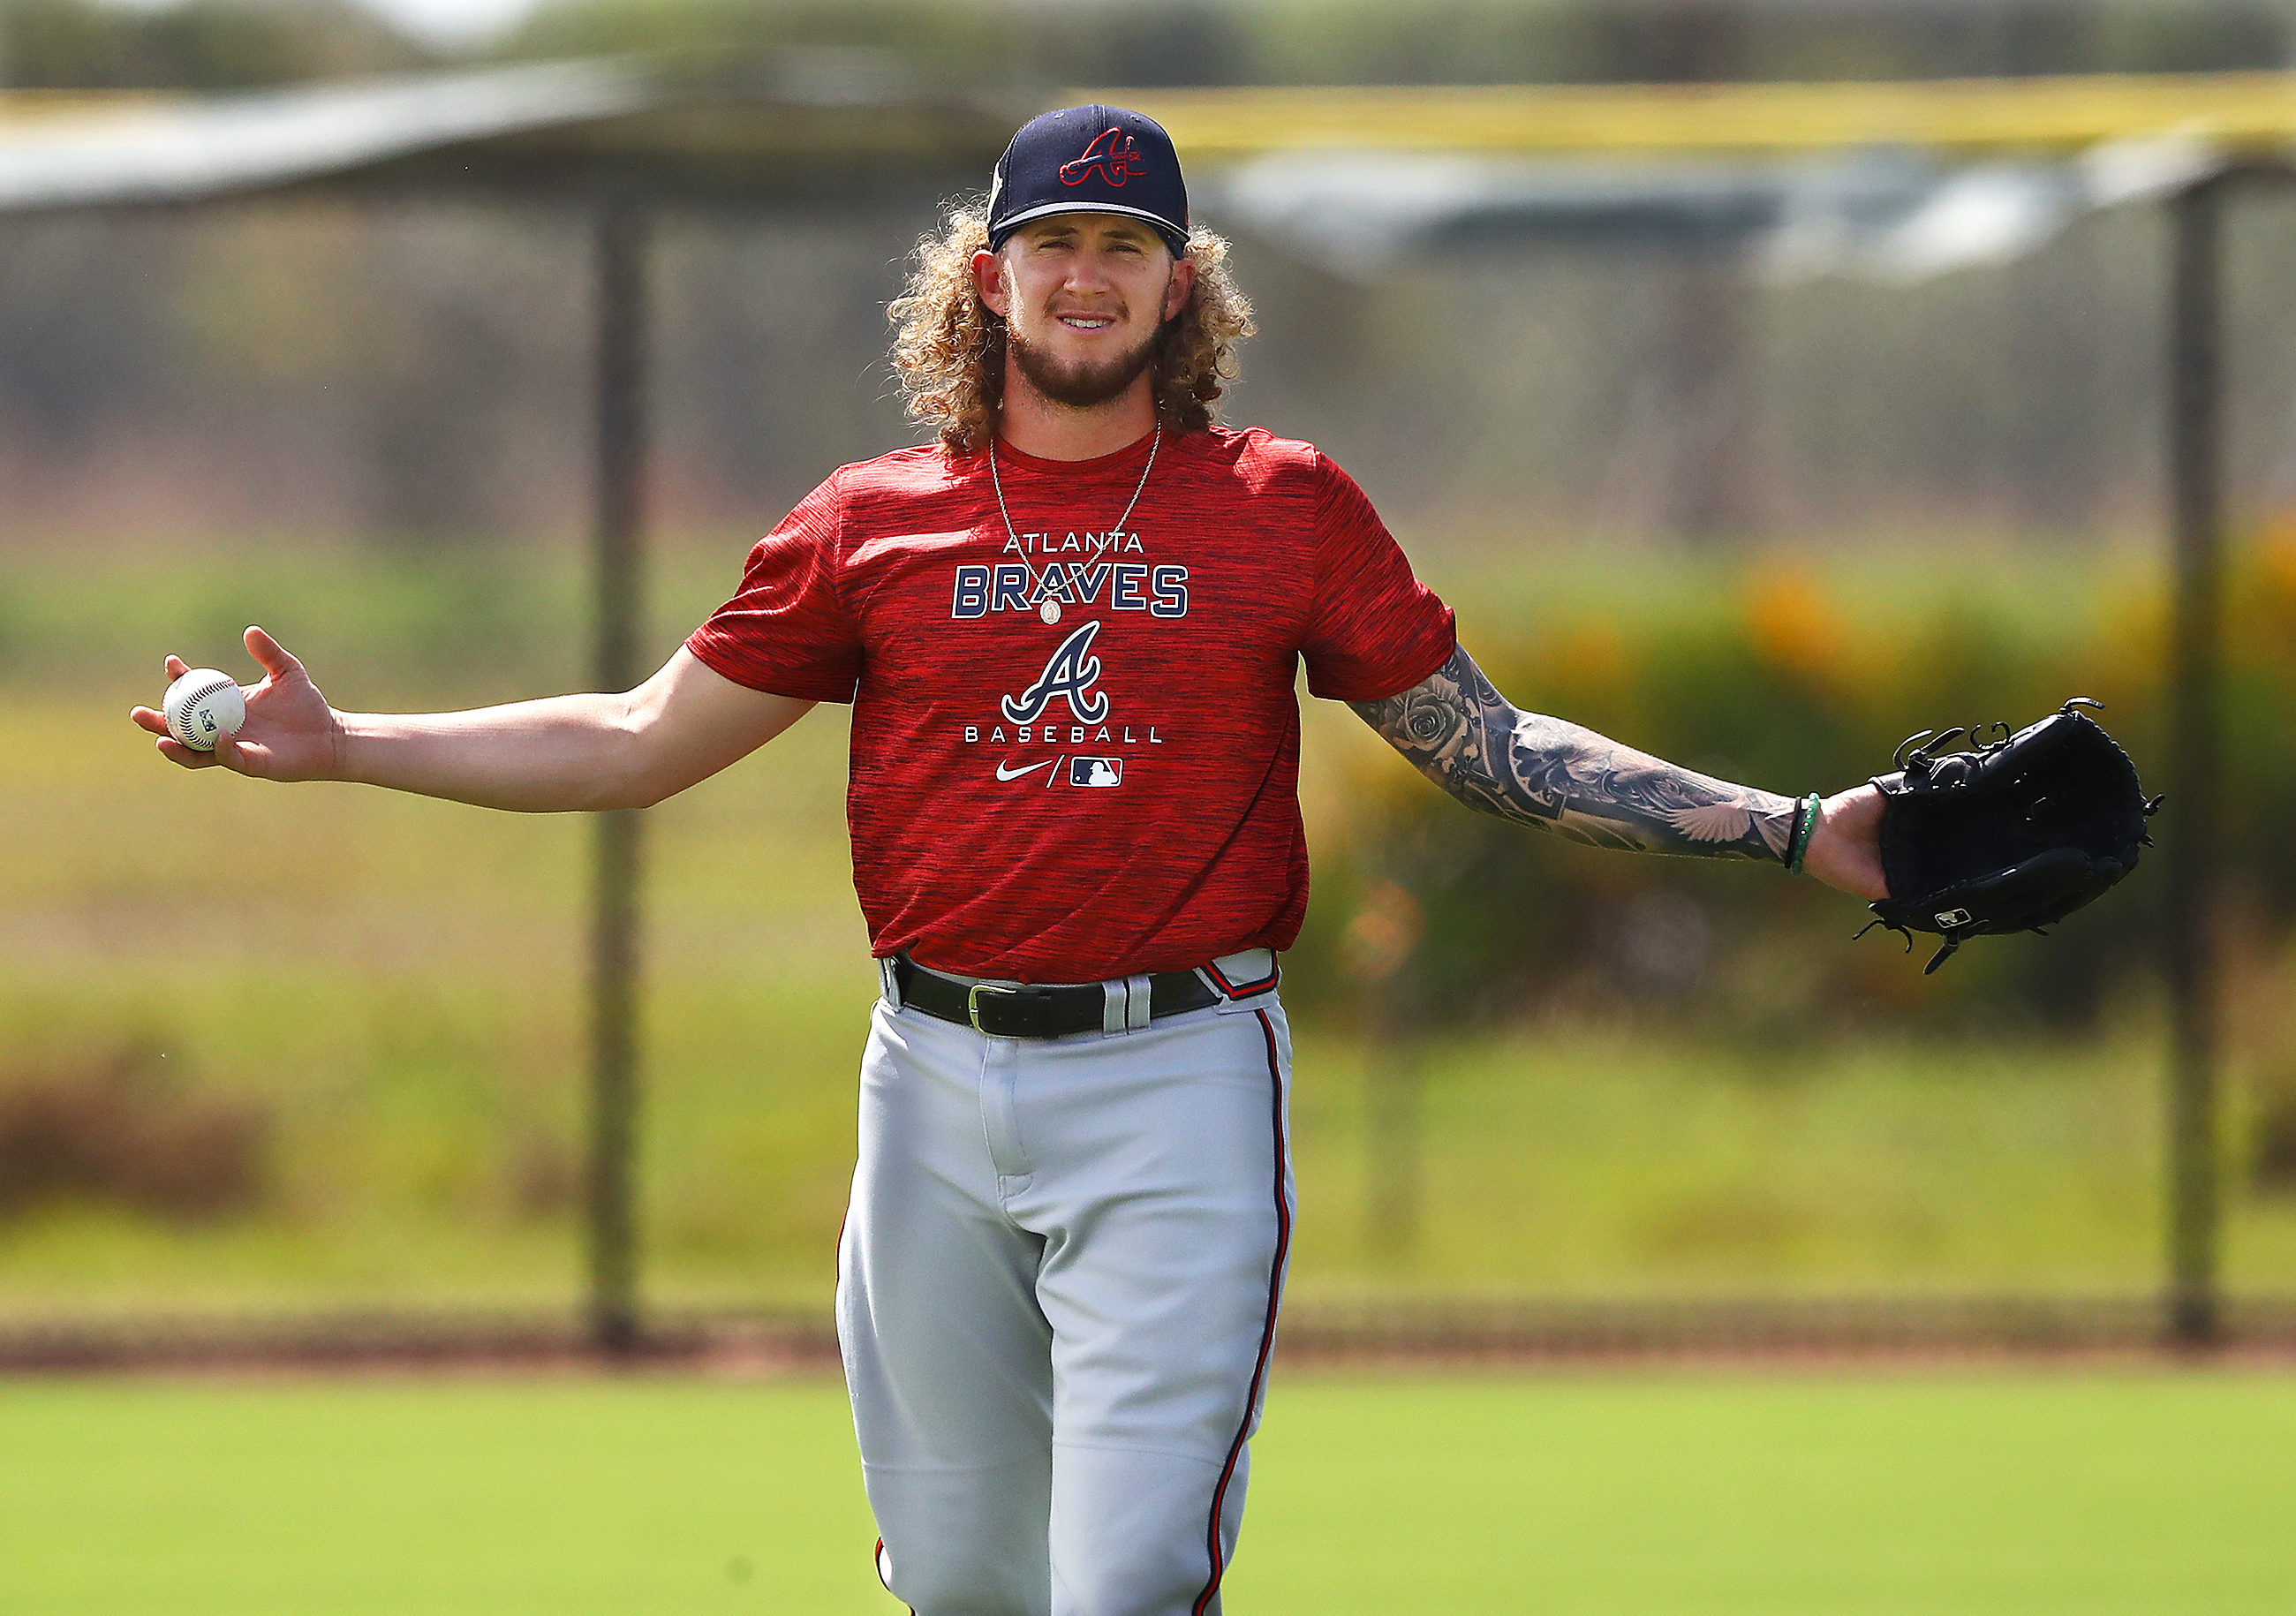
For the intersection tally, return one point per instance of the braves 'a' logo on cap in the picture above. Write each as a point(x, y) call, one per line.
point(1113, 151)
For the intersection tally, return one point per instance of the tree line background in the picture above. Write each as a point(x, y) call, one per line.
point(214, 44)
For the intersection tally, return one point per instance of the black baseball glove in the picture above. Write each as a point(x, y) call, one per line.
point(2012, 835)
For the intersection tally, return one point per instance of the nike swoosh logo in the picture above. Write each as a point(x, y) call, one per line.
point(1015, 774)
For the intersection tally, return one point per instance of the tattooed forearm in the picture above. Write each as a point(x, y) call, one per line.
point(1463, 735)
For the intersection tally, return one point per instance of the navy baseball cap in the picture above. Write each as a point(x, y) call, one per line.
point(1090, 160)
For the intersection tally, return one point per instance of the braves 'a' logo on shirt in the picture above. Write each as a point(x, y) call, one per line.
point(1072, 673)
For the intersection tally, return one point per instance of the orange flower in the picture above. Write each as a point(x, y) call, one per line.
point(1589, 661)
point(1794, 627)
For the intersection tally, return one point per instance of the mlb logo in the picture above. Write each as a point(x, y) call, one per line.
point(1095, 771)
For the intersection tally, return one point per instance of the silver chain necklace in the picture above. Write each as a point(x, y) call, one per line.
point(1050, 610)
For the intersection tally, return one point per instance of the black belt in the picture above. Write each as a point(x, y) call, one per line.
point(1040, 1012)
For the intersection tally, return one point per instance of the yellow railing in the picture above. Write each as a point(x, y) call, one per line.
point(2247, 111)
point(24, 106)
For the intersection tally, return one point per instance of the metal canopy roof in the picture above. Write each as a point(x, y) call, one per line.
point(1894, 181)
point(176, 151)
point(806, 128)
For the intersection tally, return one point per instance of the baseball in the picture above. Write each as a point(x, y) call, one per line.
point(203, 706)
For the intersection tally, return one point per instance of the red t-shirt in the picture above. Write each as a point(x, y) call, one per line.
point(1113, 791)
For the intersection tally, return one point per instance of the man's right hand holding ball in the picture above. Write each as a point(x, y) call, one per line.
point(290, 732)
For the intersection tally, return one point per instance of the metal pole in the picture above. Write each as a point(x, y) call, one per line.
point(2196, 394)
point(620, 247)
point(1707, 425)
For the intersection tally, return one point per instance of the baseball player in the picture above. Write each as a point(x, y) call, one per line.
point(1069, 629)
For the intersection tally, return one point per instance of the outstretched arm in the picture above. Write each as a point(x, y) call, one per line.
point(1460, 732)
point(555, 755)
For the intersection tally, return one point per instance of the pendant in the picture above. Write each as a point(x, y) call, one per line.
point(1050, 611)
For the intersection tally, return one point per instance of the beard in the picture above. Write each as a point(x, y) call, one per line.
point(1084, 385)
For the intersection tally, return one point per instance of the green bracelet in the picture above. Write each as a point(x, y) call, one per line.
point(1805, 822)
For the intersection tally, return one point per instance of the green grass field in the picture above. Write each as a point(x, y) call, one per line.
point(1967, 1494)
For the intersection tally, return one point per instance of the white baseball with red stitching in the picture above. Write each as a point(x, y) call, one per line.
point(203, 707)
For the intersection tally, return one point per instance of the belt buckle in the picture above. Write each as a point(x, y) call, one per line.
point(972, 1004)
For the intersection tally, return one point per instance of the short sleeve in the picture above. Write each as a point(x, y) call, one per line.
point(1373, 628)
point(786, 630)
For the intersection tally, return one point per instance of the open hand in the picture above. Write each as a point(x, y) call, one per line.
point(1845, 844)
point(289, 733)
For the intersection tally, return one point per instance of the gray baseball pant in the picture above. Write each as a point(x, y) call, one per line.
point(1057, 1289)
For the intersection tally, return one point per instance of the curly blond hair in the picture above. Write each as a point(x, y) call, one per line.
point(948, 349)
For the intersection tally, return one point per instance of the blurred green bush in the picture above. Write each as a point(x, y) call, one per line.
point(1774, 678)
point(120, 1126)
